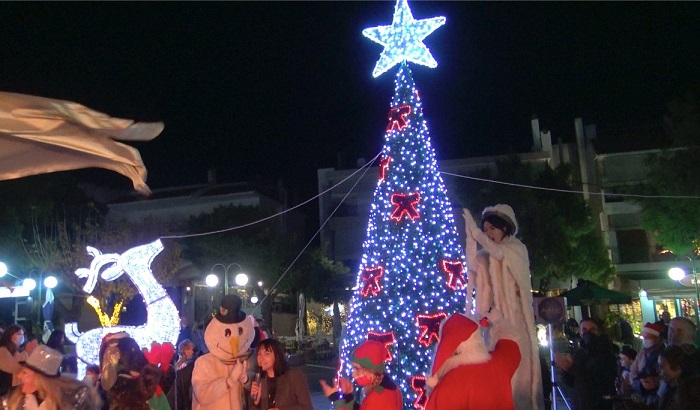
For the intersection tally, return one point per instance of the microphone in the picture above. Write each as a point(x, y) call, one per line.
point(256, 380)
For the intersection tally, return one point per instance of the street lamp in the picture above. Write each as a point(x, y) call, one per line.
point(48, 282)
point(211, 280)
point(676, 273)
point(241, 279)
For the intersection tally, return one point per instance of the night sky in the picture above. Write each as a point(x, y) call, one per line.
point(268, 90)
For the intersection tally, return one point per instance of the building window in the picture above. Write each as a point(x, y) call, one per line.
point(633, 246)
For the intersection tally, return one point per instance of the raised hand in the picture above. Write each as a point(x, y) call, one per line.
point(328, 390)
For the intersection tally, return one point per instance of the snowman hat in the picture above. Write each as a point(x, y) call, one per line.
point(230, 310)
point(504, 212)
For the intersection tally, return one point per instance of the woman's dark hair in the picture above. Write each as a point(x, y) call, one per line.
point(6, 338)
point(274, 346)
point(57, 341)
point(497, 222)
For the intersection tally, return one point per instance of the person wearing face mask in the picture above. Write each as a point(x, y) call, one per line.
point(368, 369)
point(592, 370)
point(647, 357)
point(11, 356)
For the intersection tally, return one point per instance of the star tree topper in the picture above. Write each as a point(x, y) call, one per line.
point(403, 39)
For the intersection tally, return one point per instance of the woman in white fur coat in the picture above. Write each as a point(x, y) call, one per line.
point(500, 273)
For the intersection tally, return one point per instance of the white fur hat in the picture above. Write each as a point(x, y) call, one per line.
point(504, 212)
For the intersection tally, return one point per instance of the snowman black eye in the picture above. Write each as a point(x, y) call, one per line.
point(240, 331)
point(227, 332)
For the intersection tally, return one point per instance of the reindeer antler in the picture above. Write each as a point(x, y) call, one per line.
point(99, 260)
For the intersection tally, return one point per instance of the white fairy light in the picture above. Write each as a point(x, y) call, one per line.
point(162, 321)
point(403, 39)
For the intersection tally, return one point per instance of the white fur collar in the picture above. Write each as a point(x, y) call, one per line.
point(470, 351)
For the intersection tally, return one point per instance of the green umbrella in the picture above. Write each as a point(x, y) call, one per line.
point(588, 293)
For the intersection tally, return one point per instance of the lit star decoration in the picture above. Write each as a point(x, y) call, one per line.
point(430, 327)
point(418, 384)
point(455, 272)
point(405, 205)
point(162, 318)
point(383, 167)
point(397, 117)
point(386, 338)
point(403, 39)
point(411, 252)
point(371, 277)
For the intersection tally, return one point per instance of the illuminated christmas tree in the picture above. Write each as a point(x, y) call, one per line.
point(412, 274)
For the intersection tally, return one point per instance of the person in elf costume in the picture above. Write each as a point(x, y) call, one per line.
point(369, 371)
point(465, 375)
point(218, 376)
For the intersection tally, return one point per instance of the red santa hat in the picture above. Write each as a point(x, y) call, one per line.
point(458, 332)
point(652, 329)
point(371, 354)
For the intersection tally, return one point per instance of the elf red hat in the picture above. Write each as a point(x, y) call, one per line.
point(455, 330)
point(652, 329)
point(371, 354)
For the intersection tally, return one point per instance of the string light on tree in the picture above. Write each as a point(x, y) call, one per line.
point(411, 232)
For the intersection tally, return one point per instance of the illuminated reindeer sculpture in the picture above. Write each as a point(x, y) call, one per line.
point(162, 321)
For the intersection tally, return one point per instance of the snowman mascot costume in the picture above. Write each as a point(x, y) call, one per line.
point(218, 376)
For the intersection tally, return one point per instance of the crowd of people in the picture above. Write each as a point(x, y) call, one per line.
point(663, 374)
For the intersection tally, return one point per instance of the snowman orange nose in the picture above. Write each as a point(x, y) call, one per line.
point(233, 342)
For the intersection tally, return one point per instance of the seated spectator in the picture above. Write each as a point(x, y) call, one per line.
point(647, 391)
point(627, 356)
point(647, 357)
point(675, 365)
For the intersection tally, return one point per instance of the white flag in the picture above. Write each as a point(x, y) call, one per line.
point(41, 135)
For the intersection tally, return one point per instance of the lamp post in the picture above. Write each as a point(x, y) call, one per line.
point(212, 281)
point(677, 273)
point(241, 279)
point(30, 284)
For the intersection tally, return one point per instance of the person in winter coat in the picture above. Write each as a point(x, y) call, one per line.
point(675, 367)
point(369, 372)
point(592, 370)
point(280, 387)
point(647, 357)
point(501, 273)
point(43, 388)
point(465, 375)
point(10, 356)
